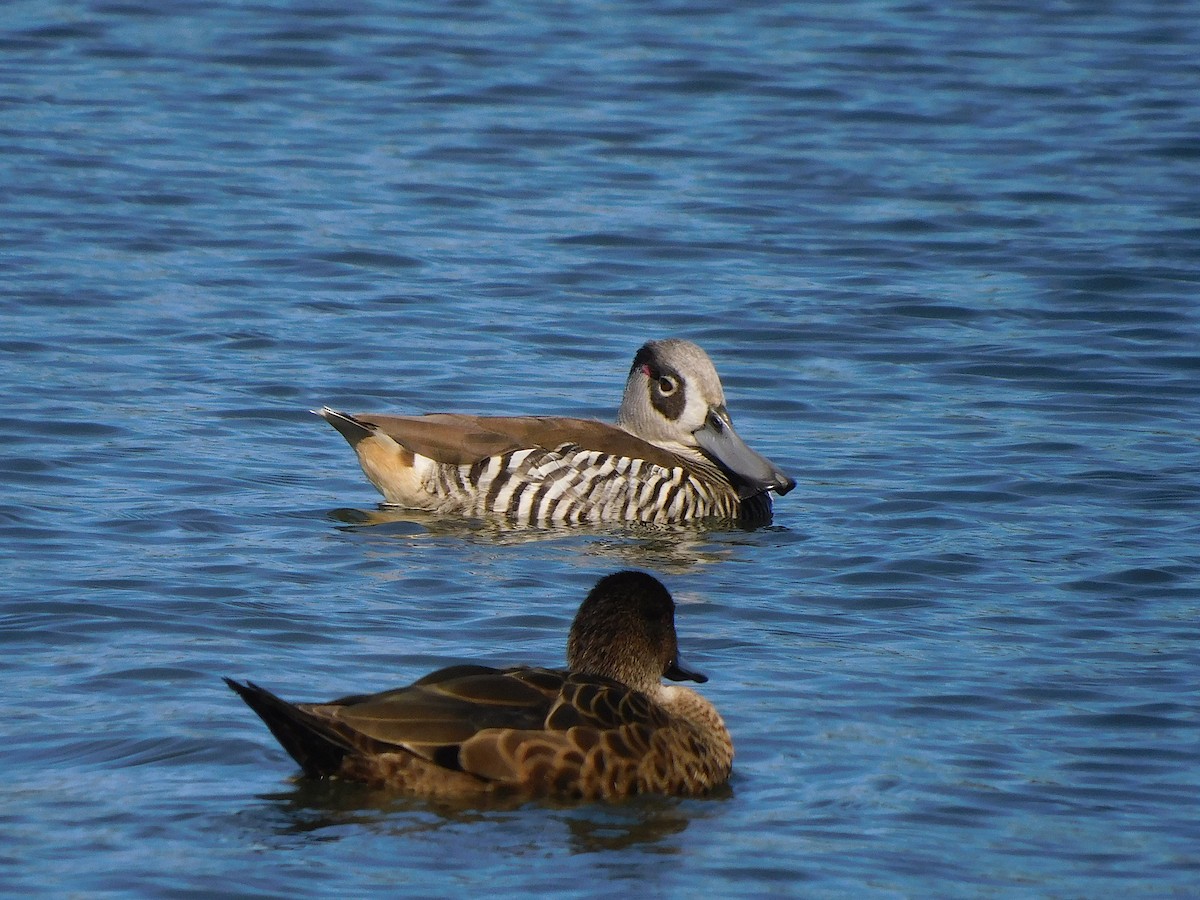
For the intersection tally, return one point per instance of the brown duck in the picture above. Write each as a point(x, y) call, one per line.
point(672, 456)
point(604, 728)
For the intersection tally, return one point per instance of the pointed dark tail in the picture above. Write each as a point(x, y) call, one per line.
point(352, 429)
point(305, 737)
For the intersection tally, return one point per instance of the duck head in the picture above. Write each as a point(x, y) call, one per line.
point(674, 400)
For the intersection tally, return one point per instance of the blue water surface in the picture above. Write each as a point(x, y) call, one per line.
point(946, 258)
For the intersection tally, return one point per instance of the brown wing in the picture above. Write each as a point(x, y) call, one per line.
point(464, 440)
point(592, 744)
point(434, 716)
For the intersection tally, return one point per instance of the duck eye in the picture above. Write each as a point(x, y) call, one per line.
point(715, 423)
point(667, 385)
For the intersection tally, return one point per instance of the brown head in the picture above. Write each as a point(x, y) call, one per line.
point(625, 630)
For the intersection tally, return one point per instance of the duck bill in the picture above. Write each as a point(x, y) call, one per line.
point(755, 472)
point(677, 671)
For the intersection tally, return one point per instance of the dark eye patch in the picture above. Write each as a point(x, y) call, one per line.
point(669, 403)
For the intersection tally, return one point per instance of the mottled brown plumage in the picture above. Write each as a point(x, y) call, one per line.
point(604, 728)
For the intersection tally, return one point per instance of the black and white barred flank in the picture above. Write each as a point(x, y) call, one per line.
point(572, 485)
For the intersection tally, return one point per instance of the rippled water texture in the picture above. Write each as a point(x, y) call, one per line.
point(945, 258)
